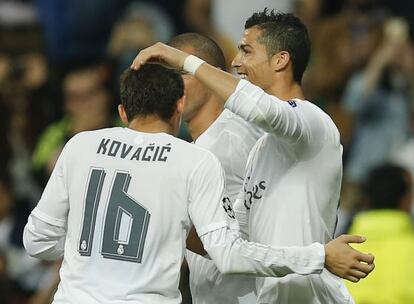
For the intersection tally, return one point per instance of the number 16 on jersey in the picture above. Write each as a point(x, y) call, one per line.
point(125, 222)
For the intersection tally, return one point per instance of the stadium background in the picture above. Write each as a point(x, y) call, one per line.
point(59, 67)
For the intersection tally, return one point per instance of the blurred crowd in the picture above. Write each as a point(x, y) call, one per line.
point(60, 63)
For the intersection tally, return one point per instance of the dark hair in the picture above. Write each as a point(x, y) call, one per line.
point(385, 186)
point(283, 32)
point(204, 47)
point(151, 90)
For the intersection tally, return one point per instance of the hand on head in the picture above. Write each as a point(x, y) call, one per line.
point(162, 54)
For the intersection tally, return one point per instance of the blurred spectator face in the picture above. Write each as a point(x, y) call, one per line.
point(85, 93)
point(131, 35)
point(251, 61)
point(35, 70)
point(195, 93)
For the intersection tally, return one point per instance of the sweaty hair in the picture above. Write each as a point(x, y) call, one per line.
point(283, 32)
point(386, 186)
point(204, 48)
point(152, 90)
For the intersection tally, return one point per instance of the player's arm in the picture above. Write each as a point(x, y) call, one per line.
point(220, 82)
point(194, 243)
point(242, 216)
point(243, 98)
point(45, 231)
point(232, 254)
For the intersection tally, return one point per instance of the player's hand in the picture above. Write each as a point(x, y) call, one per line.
point(346, 262)
point(162, 54)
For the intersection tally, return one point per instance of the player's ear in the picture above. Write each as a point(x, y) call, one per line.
point(122, 114)
point(280, 61)
point(181, 104)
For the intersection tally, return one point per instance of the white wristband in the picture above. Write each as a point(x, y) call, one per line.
point(191, 64)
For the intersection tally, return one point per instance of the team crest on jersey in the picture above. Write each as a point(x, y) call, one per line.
point(292, 103)
point(227, 207)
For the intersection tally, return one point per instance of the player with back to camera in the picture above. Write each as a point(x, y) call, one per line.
point(293, 178)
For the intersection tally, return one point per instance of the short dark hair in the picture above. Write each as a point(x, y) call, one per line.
point(283, 32)
point(204, 47)
point(385, 186)
point(151, 90)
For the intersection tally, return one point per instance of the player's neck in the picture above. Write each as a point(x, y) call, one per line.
point(286, 90)
point(151, 124)
point(205, 117)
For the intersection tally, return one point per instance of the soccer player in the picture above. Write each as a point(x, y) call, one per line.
point(294, 172)
point(120, 201)
point(230, 138)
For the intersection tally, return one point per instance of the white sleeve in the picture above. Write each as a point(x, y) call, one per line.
point(46, 227)
point(206, 194)
point(267, 112)
point(221, 238)
point(42, 240)
point(242, 215)
point(233, 255)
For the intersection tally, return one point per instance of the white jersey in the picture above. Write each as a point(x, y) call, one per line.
point(230, 138)
point(119, 205)
point(291, 189)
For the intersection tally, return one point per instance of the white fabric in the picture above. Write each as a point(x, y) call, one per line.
point(230, 138)
point(292, 186)
point(171, 183)
point(192, 63)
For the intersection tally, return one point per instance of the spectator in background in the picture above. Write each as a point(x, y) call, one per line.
point(21, 275)
point(77, 30)
point(379, 97)
point(354, 30)
point(141, 25)
point(388, 227)
point(200, 15)
point(87, 105)
point(28, 104)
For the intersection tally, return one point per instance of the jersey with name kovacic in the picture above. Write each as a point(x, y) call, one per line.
point(127, 215)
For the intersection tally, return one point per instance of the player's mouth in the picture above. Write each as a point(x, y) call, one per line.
point(243, 76)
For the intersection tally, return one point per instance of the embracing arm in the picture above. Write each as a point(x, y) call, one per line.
point(219, 233)
point(220, 82)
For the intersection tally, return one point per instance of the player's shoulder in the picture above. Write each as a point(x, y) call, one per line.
point(88, 135)
point(318, 120)
point(191, 150)
point(238, 126)
point(309, 108)
point(83, 139)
